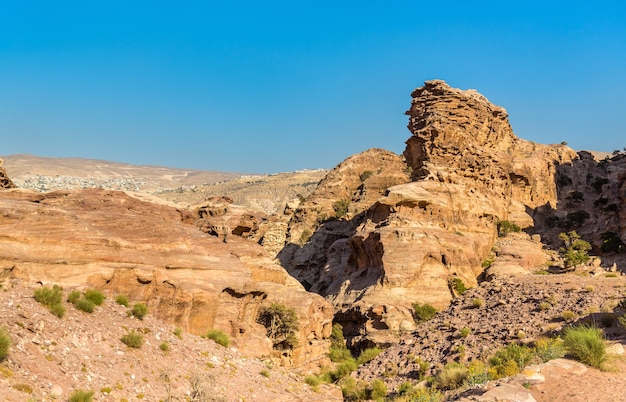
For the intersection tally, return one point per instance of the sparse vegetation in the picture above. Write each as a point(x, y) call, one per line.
point(452, 376)
point(265, 373)
point(612, 243)
point(95, 296)
point(464, 332)
point(341, 208)
point(139, 310)
point(457, 285)
point(164, 346)
point(133, 339)
point(423, 312)
point(547, 349)
point(586, 344)
point(5, 343)
point(178, 332)
point(477, 302)
point(338, 351)
point(219, 336)
point(368, 355)
point(81, 396)
point(73, 296)
point(85, 305)
point(282, 325)
point(122, 300)
point(51, 298)
point(510, 360)
point(305, 236)
point(575, 251)
point(365, 175)
point(568, 315)
point(505, 227)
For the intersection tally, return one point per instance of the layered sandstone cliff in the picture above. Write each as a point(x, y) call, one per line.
point(117, 243)
point(468, 172)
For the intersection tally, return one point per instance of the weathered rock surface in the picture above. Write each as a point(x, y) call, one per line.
point(5, 182)
point(120, 244)
point(468, 172)
point(49, 358)
point(517, 309)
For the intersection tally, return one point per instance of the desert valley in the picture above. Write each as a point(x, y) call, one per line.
point(459, 270)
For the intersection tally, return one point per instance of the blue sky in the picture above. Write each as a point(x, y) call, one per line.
point(276, 86)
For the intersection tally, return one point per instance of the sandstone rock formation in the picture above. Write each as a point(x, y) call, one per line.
point(122, 245)
point(5, 182)
point(468, 171)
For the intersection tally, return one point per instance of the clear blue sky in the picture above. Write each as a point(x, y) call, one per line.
point(271, 86)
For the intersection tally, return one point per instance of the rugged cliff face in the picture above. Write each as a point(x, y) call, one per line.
point(468, 171)
point(122, 245)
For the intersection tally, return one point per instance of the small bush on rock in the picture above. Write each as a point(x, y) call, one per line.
point(220, 337)
point(139, 310)
point(81, 396)
point(510, 360)
point(575, 251)
point(423, 312)
point(452, 376)
point(121, 300)
point(506, 227)
point(5, 343)
point(548, 349)
point(457, 285)
point(51, 298)
point(282, 325)
point(341, 208)
point(586, 344)
point(73, 296)
point(368, 355)
point(133, 339)
point(85, 305)
point(95, 296)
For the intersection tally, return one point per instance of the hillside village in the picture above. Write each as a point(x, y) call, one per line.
point(458, 270)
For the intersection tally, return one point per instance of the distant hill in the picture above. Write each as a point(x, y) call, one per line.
point(43, 173)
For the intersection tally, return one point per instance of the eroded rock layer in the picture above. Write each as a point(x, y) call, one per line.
point(468, 171)
point(117, 243)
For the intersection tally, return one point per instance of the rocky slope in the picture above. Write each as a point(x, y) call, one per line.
point(150, 252)
point(52, 357)
point(415, 235)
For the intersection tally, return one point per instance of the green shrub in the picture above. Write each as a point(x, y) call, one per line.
point(575, 251)
point(139, 310)
point(57, 309)
point(5, 343)
point(510, 360)
point(378, 390)
point(464, 332)
point(544, 306)
point(81, 396)
point(548, 349)
point(506, 227)
point(337, 355)
point(365, 175)
point(568, 315)
point(344, 369)
point(368, 355)
point(49, 296)
point(477, 303)
point(312, 380)
point(95, 296)
point(282, 325)
point(23, 388)
point(133, 339)
point(341, 208)
point(121, 300)
point(586, 344)
point(423, 312)
point(73, 296)
point(458, 286)
point(178, 332)
point(220, 337)
point(164, 346)
point(452, 376)
point(352, 390)
point(85, 305)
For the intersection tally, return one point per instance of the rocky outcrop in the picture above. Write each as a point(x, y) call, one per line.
point(5, 182)
point(122, 245)
point(334, 210)
point(467, 172)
